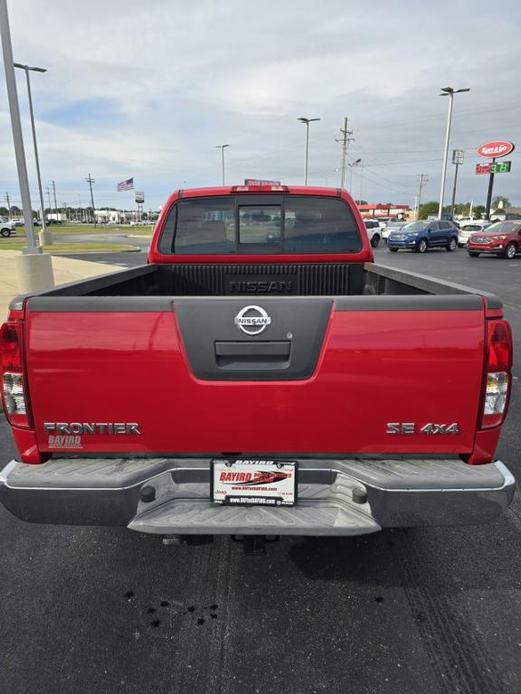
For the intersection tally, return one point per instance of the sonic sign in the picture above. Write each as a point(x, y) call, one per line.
point(495, 149)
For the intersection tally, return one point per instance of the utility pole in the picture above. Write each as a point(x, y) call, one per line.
point(55, 204)
point(8, 201)
point(90, 181)
point(344, 141)
point(457, 160)
point(422, 179)
point(48, 191)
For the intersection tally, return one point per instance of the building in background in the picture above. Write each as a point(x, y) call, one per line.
point(106, 216)
point(384, 210)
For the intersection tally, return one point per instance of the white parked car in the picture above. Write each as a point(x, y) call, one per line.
point(392, 226)
point(7, 228)
point(468, 227)
point(374, 232)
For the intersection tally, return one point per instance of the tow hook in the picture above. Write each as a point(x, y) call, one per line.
point(255, 545)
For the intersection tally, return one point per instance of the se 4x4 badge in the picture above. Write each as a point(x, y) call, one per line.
point(431, 429)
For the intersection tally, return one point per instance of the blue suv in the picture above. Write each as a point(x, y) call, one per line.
point(421, 235)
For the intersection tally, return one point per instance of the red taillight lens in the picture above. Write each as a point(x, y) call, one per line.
point(10, 347)
point(498, 376)
point(13, 389)
point(499, 346)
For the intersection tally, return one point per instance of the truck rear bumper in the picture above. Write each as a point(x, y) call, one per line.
point(336, 497)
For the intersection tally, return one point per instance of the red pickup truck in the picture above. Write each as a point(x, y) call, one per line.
point(259, 376)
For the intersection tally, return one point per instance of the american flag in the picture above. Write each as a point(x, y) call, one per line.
point(126, 185)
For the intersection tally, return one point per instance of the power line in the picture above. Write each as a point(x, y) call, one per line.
point(384, 187)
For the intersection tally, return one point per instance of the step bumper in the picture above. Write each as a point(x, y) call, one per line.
point(336, 497)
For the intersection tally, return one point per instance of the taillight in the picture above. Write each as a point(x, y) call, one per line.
point(13, 388)
point(498, 376)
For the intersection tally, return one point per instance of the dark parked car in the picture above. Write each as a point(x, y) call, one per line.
point(422, 235)
point(502, 239)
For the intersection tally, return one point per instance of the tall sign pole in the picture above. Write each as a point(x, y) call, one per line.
point(490, 189)
point(494, 149)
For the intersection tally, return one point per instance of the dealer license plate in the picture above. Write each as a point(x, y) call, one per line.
point(254, 482)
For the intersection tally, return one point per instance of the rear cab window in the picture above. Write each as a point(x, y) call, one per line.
point(252, 224)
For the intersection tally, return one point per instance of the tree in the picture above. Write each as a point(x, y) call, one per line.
point(479, 211)
point(4, 212)
point(500, 201)
point(428, 209)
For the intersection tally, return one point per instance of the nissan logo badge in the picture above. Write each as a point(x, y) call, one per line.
point(252, 320)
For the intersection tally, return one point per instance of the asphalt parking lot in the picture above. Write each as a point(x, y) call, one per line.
point(431, 610)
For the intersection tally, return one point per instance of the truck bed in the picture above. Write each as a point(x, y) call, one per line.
point(360, 347)
point(259, 280)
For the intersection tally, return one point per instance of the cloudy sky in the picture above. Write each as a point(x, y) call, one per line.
point(148, 89)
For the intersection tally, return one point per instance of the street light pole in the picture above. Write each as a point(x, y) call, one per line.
point(26, 69)
point(33, 268)
point(447, 91)
point(306, 122)
point(222, 148)
point(32, 245)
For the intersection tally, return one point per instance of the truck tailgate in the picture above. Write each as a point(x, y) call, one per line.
point(327, 375)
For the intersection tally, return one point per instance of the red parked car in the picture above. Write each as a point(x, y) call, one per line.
point(260, 376)
point(502, 239)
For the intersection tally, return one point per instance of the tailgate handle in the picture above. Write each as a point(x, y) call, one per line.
point(247, 355)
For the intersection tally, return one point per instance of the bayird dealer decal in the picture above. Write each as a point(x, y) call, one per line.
point(69, 434)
